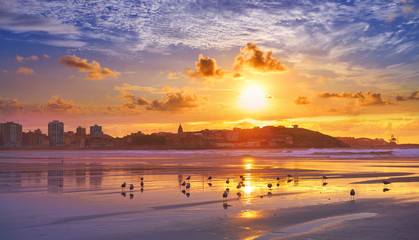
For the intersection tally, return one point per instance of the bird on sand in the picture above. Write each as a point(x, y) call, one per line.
point(228, 180)
point(210, 177)
point(188, 185)
point(289, 175)
point(184, 183)
point(386, 182)
point(131, 187)
point(188, 178)
point(225, 195)
point(142, 178)
point(325, 183)
point(239, 194)
point(386, 189)
point(239, 185)
point(123, 185)
point(269, 185)
point(142, 184)
point(277, 178)
point(352, 194)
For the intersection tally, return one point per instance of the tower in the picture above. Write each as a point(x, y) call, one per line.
point(180, 129)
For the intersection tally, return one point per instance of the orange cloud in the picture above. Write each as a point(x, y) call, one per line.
point(206, 68)
point(28, 59)
point(10, 106)
point(95, 72)
point(302, 100)
point(363, 99)
point(175, 101)
point(413, 96)
point(57, 104)
point(26, 71)
point(252, 57)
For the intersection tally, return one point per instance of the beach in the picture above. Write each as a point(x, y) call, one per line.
point(78, 194)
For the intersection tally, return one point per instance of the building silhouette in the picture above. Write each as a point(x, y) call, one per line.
point(96, 131)
point(11, 134)
point(56, 133)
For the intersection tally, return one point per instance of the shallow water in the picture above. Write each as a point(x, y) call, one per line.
point(77, 194)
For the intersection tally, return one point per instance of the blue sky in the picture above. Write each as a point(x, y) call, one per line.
point(327, 46)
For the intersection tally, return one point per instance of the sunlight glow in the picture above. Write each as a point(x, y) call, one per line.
point(253, 98)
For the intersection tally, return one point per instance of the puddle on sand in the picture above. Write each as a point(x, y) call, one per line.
point(314, 225)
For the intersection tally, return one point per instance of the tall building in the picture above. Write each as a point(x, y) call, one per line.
point(96, 130)
point(56, 133)
point(11, 134)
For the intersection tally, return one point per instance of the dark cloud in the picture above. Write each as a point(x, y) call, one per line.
point(206, 68)
point(368, 98)
point(252, 57)
point(26, 71)
point(413, 96)
point(10, 106)
point(302, 100)
point(95, 72)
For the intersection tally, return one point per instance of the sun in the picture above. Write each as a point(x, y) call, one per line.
point(253, 98)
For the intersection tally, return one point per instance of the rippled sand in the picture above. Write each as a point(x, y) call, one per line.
point(77, 195)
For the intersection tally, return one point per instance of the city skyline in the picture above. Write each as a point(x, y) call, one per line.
point(345, 68)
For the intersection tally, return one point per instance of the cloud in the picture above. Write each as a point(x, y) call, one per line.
point(174, 101)
point(363, 99)
point(4, 70)
point(134, 99)
point(10, 106)
point(302, 100)
point(26, 71)
point(206, 68)
point(27, 59)
point(57, 104)
point(413, 96)
point(252, 57)
point(126, 86)
point(95, 72)
point(46, 56)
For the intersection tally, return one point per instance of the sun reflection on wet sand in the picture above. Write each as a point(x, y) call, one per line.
point(74, 190)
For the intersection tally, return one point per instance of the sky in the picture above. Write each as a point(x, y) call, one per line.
point(344, 68)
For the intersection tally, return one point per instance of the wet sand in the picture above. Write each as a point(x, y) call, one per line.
point(78, 196)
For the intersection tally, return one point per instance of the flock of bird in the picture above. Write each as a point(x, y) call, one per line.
point(187, 185)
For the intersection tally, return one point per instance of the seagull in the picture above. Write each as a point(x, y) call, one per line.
point(124, 185)
point(386, 189)
point(210, 177)
point(142, 178)
point(188, 178)
point(228, 190)
point(225, 195)
point(184, 183)
point(325, 183)
point(352, 194)
point(239, 194)
point(239, 185)
point(183, 191)
point(188, 194)
point(188, 185)
point(386, 182)
point(210, 184)
point(131, 187)
point(277, 184)
point(241, 176)
point(269, 185)
point(277, 178)
point(228, 180)
point(142, 184)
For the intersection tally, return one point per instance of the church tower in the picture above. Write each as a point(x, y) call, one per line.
point(180, 129)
